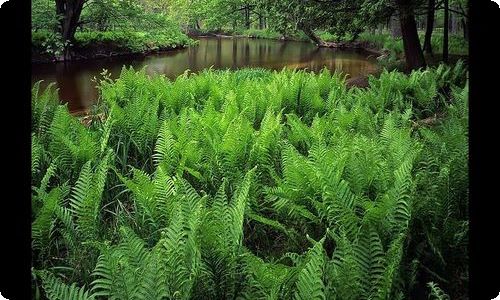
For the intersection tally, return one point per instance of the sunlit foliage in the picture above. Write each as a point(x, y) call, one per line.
point(254, 185)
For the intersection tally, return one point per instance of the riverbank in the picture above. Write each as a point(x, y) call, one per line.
point(47, 48)
point(74, 78)
point(387, 48)
point(329, 40)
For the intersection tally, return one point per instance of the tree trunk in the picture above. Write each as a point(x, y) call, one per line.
point(430, 27)
point(316, 39)
point(454, 22)
point(413, 52)
point(395, 27)
point(445, 32)
point(465, 28)
point(69, 11)
point(466, 23)
point(355, 35)
point(261, 22)
point(247, 17)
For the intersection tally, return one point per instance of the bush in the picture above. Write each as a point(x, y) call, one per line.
point(261, 33)
point(457, 44)
point(112, 25)
point(129, 41)
point(132, 41)
point(48, 42)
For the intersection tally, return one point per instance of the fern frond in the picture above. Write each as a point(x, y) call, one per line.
point(310, 283)
point(55, 289)
point(436, 292)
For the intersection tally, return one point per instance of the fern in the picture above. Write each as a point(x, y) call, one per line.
point(43, 225)
point(55, 289)
point(87, 195)
point(436, 292)
point(310, 283)
point(371, 260)
point(223, 179)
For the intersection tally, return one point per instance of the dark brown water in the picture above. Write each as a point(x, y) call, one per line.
point(77, 87)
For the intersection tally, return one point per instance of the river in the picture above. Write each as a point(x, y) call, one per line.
point(77, 86)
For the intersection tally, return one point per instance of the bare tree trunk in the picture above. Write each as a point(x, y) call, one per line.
point(355, 35)
point(316, 39)
point(69, 11)
point(396, 27)
point(454, 23)
point(445, 33)
point(247, 17)
point(465, 28)
point(430, 27)
point(466, 23)
point(413, 52)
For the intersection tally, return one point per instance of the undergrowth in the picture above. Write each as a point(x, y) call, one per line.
point(254, 184)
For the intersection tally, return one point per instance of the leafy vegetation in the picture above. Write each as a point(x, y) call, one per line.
point(395, 45)
point(110, 25)
point(298, 36)
point(254, 184)
point(259, 33)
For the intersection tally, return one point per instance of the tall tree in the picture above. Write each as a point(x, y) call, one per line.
point(395, 27)
point(342, 16)
point(413, 52)
point(445, 30)
point(69, 12)
point(247, 16)
point(430, 26)
point(463, 6)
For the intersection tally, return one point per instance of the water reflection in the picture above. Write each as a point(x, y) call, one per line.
point(75, 84)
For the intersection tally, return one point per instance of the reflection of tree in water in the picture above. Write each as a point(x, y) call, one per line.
point(205, 58)
point(246, 56)
point(69, 91)
point(234, 54)
point(281, 49)
point(193, 58)
point(218, 54)
point(75, 85)
point(261, 53)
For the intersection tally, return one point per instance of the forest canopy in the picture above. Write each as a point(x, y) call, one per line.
point(60, 20)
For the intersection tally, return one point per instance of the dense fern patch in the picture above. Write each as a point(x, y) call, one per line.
point(254, 185)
